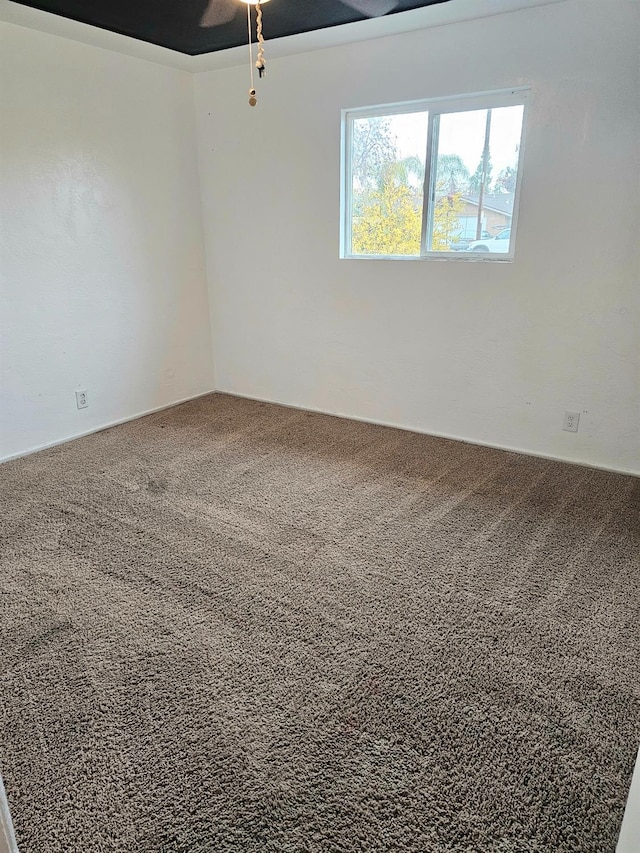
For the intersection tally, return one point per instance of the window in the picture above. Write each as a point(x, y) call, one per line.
point(433, 179)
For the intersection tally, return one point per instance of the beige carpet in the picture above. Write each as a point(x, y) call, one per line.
point(232, 626)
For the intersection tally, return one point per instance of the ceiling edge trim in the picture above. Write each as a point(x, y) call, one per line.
point(56, 25)
point(374, 28)
point(415, 19)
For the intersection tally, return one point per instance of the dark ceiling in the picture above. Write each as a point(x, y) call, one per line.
point(176, 23)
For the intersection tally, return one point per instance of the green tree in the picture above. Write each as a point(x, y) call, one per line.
point(452, 176)
point(452, 180)
point(446, 221)
point(409, 172)
point(475, 181)
point(506, 181)
point(373, 150)
point(390, 221)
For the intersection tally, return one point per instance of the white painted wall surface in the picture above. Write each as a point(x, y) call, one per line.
point(492, 353)
point(102, 274)
point(629, 839)
point(7, 836)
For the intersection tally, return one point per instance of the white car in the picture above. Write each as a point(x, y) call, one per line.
point(499, 243)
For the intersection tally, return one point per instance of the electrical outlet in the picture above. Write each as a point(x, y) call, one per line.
point(81, 399)
point(571, 421)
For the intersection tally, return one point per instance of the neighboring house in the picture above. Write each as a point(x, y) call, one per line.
point(497, 210)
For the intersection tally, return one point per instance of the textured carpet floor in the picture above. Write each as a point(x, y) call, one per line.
point(232, 626)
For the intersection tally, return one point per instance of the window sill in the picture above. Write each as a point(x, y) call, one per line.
point(457, 257)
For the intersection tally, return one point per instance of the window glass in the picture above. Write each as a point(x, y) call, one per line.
point(475, 171)
point(388, 160)
point(433, 178)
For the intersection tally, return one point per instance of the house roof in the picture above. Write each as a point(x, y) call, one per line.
point(500, 202)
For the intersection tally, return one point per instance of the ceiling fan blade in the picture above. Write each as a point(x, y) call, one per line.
point(372, 8)
point(219, 12)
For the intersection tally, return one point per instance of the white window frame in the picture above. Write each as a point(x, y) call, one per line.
point(518, 96)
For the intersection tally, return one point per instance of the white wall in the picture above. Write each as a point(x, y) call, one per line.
point(490, 352)
point(102, 269)
point(629, 838)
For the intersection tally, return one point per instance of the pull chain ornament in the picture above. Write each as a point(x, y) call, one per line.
point(260, 63)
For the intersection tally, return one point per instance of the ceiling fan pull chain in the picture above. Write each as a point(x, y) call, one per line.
point(252, 92)
point(260, 63)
